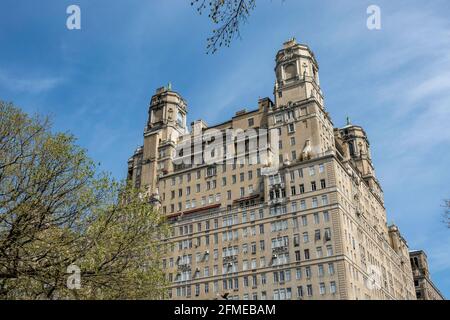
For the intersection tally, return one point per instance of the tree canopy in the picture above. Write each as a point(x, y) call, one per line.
point(57, 211)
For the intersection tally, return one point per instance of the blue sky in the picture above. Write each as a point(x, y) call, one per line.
point(395, 82)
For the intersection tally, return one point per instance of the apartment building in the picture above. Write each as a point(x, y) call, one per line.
point(274, 203)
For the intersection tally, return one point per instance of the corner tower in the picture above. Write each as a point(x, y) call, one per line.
point(357, 148)
point(297, 74)
point(166, 124)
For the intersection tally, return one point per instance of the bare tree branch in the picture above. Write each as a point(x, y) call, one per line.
point(228, 15)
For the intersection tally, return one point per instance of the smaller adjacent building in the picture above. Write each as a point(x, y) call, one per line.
point(425, 289)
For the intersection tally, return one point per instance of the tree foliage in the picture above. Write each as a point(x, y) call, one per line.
point(57, 211)
point(228, 16)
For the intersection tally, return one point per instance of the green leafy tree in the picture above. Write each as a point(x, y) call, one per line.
point(57, 211)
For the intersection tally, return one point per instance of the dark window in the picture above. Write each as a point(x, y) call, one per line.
point(302, 189)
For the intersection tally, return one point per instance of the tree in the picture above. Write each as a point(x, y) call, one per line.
point(228, 15)
point(56, 211)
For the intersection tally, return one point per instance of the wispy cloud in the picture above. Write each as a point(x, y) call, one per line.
point(22, 84)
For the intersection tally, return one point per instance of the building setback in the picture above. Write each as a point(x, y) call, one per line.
point(308, 222)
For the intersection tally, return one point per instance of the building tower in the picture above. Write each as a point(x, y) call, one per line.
point(166, 124)
point(425, 288)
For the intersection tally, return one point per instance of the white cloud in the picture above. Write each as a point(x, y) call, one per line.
point(25, 84)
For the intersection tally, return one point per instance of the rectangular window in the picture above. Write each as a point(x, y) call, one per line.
point(320, 270)
point(329, 251)
point(291, 127)
point(262, 245)
point(326, 216)
point(316, 218)
point(296, 240)
point(306, 252)
point(298, 273)
point(292, 141)
point(331, 268)
point(332, 287)
point(317, 235)
point(303, 205)
point(322, 288)
point(302, 189)
point(308, 272)
point(319, 253)
point(304, 221)
point(305, 237)
point(292, 175)
point(315, 204)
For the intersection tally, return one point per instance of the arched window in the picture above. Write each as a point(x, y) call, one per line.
point(290, 71)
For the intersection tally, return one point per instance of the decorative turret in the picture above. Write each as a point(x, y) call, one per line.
point(357, 149)
point(297, 73)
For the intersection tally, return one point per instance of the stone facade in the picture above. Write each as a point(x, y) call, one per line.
point(307, 223)
point(425, 288)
